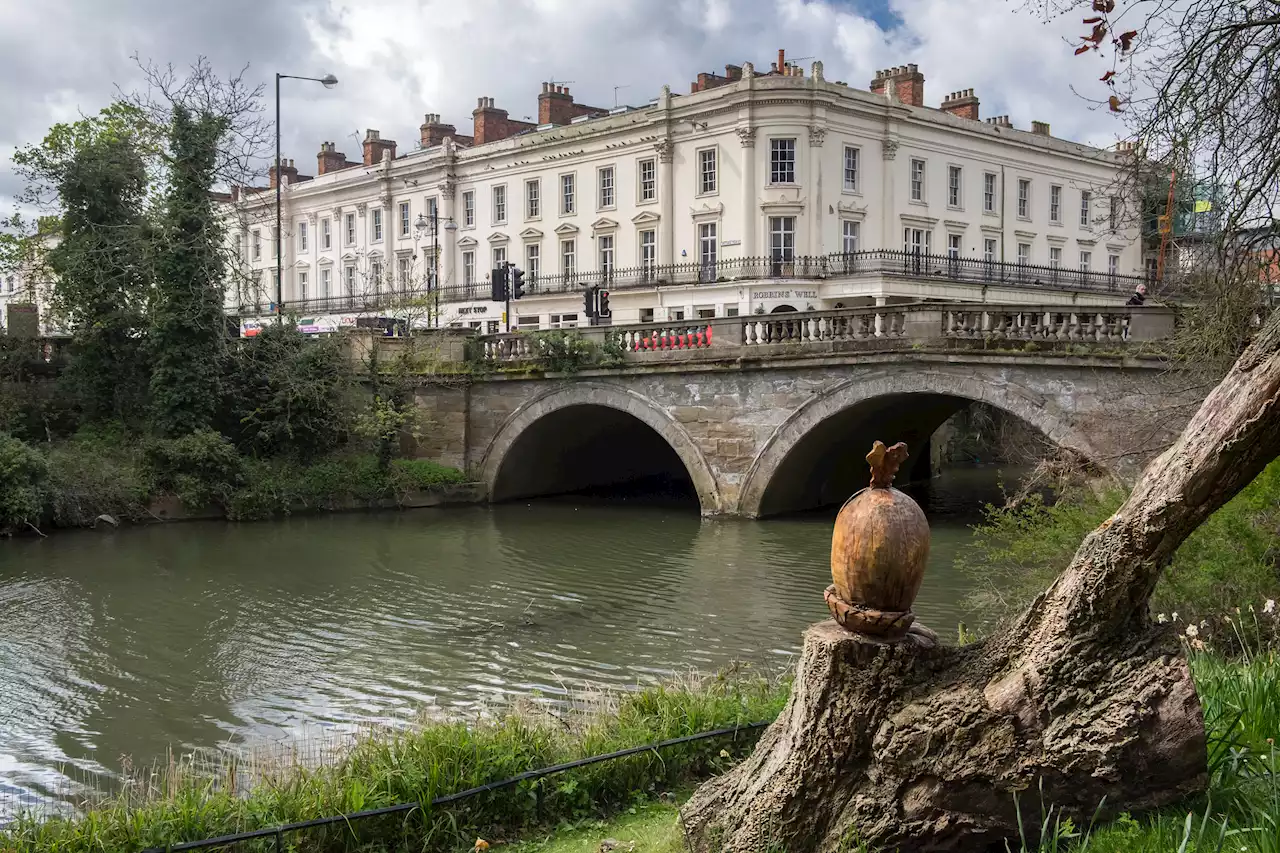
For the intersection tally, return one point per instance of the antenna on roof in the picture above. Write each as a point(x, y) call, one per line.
point(560, 82)
point(615, 93)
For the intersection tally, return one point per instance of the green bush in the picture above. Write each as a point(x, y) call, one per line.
point(201, 468)
point(408, 474)
point(22, 473)
point(1232, 560)
point(286, 395)
point(97, 473)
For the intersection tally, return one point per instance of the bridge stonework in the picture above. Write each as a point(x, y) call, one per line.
point(735, 425)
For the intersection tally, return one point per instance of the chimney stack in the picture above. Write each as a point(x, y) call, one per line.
point(434, 132)
point(556, 106)
point(781, 67)
point(492, 124)
point(962, 104)
point(330, 159)
point(288, 172)
point(999, 121)
point(375, 145)
point(1040, 128)
point(903, 83)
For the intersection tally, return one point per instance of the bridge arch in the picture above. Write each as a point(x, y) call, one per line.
point(929, 397)
point(563, 404)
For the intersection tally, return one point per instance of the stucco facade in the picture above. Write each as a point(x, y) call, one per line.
point(781, 167)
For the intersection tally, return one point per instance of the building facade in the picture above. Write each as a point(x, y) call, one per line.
point(753, 193)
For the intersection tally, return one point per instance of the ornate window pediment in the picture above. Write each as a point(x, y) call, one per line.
point(706, 212)
point(602, 224)
point(567, 229)
point(531, 234)
point(647, 217)
point(499, 237)
point(467, 242)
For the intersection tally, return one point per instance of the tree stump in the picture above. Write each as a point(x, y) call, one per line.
point(913, 746)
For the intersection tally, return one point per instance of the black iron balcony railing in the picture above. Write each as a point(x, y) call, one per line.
point(879, 262)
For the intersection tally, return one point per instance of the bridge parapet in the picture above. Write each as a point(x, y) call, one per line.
point(891, 326)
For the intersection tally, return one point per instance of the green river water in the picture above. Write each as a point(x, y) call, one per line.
point(132, 642)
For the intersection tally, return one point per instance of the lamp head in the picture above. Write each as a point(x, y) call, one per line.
point(329, 81)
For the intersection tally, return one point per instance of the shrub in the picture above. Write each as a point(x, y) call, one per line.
point(96, 474)
point(409, 474)
point(200, 468)
point(22, 472)
point(286, 395)
point(1231, 560)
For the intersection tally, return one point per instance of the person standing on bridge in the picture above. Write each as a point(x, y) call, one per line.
point(1139, 295)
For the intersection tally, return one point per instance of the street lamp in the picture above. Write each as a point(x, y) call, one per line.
point(328, 81)
point(433, 282)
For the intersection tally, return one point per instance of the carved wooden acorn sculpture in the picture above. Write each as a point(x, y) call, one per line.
point(878, 553)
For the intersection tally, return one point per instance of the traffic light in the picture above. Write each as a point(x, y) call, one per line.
point(602, 304)
point(589, 302)
point(499, 279)
point(516, 283)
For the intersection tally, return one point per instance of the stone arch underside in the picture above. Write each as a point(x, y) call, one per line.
point(815, 457)
point(550, 444)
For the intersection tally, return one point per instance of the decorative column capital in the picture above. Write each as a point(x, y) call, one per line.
point(816, 136)
point(889, 149)
point(666, 150)
point(362, 208)
point(313, 217)
point(337, 212)
point(448, 187)
point(747, 136)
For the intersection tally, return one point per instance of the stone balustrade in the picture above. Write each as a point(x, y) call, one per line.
point(892, 326)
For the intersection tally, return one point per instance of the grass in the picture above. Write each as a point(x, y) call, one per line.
point(184, 800)
point(647, 828)
point(1240, 812)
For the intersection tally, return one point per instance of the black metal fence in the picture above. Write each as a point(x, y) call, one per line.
point(883, 262)
point(278, 833)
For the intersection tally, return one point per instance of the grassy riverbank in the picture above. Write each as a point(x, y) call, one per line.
point(385, 768)
point(632, 799)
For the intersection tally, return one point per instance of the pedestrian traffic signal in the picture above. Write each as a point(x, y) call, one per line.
point(602, 304)
point(499, 280)
point(515, 284)
point(589, 302)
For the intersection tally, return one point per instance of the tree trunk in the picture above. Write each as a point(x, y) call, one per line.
point(914, 746)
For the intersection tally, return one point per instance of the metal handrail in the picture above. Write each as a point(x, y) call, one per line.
point(821, 267)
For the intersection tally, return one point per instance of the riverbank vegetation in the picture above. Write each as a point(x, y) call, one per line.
point(158, 397)
point(180, 802)
point(1232, 558)
point(632, 799)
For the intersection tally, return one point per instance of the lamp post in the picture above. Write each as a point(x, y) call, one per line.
point(328, 81)
point(433, 281)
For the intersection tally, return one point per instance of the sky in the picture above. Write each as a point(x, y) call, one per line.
point(399, 59)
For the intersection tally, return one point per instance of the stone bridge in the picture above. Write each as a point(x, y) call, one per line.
point(767, 415)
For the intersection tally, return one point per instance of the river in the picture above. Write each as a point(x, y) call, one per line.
point(130, 642)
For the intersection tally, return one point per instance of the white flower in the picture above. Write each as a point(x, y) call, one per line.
point(1192, 631)
point(1175, 616)
point(1270, 606)
point(1162, 619)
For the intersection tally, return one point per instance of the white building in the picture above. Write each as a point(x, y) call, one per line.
point(752, 193)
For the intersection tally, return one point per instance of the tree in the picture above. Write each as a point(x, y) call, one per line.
point(921, 747)
point(188, 330)
point(1194, 86)
point(101, 263)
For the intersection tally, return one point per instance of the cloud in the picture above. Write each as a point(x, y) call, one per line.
point(399, 59)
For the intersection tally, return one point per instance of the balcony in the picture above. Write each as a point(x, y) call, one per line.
point(878, 263)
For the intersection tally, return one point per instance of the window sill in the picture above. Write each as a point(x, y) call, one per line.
point(499, 224)
point(788, 186)
point(1057, 224)
point(606, 209)
point(847, 191)
point(711, 194)
point(537, 218)
point(918, 203)
point(955, 207)
point(647, 201)
point(992, 213)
